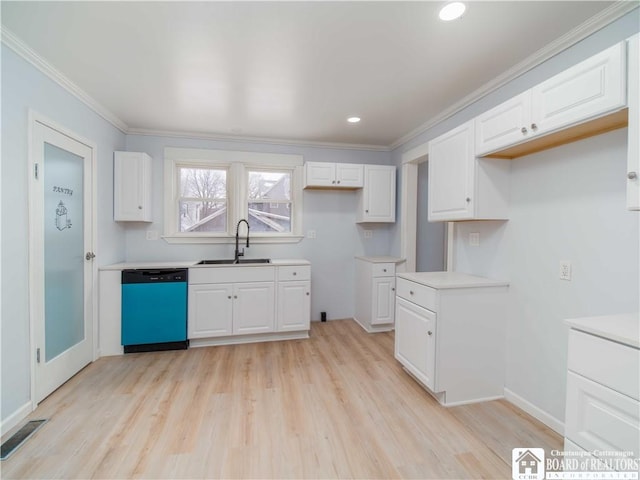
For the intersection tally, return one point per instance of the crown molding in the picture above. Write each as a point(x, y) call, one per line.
point(582, 31)
point(261, 140)
point(24, 51)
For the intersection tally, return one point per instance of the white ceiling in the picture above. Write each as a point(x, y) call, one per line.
point(286, 70)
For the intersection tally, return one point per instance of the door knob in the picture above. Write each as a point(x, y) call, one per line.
point(534, 127)
point(524, 130)
point(632, 175)
point(429, 333)
point(90, 255)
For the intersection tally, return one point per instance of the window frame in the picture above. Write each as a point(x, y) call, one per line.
point(237, 164)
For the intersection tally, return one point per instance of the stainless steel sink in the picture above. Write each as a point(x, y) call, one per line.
point(232, 262)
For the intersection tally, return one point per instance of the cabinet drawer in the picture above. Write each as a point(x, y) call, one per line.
point(598, 418)
point(416, 293)
point(384, 269)
point(612, 364)
point(297, 272)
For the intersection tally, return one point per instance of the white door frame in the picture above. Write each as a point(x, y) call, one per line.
point(34, 118)
point(409, 211)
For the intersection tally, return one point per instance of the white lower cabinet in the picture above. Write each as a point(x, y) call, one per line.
point(375, 293)
point(294, 298)
point(252, 300)
point(210, 310)
point(230, 309)
point(450, 334)
point(415, 345)
point(294, 303)
point(603, 386)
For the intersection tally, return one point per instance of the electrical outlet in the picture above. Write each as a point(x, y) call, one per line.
point(565, 270)
point(152, 234)
point(474, 239)
point(368, 233)
point(311, 234)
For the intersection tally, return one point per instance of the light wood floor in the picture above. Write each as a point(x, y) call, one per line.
point(335, 406)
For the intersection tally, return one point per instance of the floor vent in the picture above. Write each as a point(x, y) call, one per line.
point(19, 438)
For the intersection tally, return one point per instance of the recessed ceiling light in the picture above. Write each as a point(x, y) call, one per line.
point(353, 119)
point(451, 11)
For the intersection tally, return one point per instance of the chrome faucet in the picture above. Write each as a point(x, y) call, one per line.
point(239, 253)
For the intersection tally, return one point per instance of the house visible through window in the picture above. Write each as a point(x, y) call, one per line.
point(269, 204)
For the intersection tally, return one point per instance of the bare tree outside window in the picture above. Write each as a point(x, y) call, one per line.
point(203, 200)
point(269, 202)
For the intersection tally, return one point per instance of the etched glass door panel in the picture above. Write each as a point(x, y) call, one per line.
point(63, 250)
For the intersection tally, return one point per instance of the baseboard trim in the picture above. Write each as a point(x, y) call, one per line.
point(536, 412)
point(241, 339)
point(15, 418)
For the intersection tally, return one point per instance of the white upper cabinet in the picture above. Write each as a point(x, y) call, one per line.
point(377, 199)
point(503, 125)
point(589, 90)
point(333, 175)
point(633, 145)
point(132, 187)
point(349, 175)
point(451, 173)
point(462, 187)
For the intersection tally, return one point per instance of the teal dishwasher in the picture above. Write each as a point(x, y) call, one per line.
point(154, 309)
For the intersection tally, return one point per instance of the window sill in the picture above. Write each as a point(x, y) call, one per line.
point(179, 239)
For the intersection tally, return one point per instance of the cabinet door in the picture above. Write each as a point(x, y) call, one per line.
point(253, 307)
point(415, 340)
point(132, 187)
point(589, 89)
point(633, 165)
point(294, 306)
point(383, 300)
point(210, 310)
point(504, 125)
point(378, 196)
point(451, 175)
point(320, 174)
point(349, 175)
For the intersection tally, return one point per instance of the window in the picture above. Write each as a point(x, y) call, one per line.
point(269, 203)
point(208, 191)
point(202, 205)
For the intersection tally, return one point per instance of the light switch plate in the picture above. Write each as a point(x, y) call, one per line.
point(474, 239)
point(311, 234)
point(152, 234)
point(368, 233)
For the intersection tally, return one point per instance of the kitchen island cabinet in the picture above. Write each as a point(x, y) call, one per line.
point(450, 334)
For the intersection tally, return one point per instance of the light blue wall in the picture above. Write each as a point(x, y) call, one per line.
point(430, 251)
point(24, 88)
point(567, 203)
point(332, 214)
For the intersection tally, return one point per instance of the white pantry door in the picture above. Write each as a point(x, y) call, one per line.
point(61, 266)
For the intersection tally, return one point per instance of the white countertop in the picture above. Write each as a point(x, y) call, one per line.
point(192, 264)
point(624, 328)
point(381, 259)
point(442, 280)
